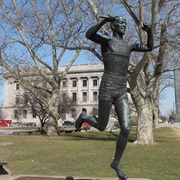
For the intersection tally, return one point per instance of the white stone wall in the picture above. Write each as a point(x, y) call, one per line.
point(177, 92)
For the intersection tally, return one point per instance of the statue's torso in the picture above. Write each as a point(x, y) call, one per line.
point(116, 60)
point(116, 56)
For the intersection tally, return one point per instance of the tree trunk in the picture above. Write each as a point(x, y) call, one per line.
point(143, 104)
point(52, 129)
point(155, 117)
point(156, 102)
point(144, 134)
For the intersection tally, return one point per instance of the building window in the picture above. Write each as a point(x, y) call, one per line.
point(17, 86)
point(95, 82)
point(74, 97)
point(63, 115)
point(64, 83)
point(16, 115)
point(95, 96)
point(74, 83)
point(34, 114)
point(25, 114)
point(17, 99)
point(26, 98)
point(84, 82)
point(84, 98)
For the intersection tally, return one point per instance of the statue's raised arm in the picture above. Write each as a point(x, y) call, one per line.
point(92, 31)
point(149, 46)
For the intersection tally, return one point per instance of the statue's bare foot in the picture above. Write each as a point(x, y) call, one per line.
point(79, 122)
point(119, 171)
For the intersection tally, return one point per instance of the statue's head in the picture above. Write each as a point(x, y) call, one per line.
point(119, 25)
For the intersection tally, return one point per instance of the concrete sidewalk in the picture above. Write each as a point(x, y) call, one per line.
point(176, 125)
point(9, 177)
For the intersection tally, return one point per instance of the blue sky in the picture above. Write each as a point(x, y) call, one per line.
point(167, 104)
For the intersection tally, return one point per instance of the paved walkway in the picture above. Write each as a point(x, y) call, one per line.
point(9, 177)
point(176, 125)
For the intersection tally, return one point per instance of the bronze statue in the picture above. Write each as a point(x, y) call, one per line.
point(113, 88)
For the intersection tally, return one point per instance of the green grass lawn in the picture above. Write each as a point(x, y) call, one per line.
point(89, 154)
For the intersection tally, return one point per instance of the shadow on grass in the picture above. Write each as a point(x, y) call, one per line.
point(97, 136)
point(92, 136)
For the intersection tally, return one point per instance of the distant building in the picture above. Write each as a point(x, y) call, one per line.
point(177, 91)
point(81, 84)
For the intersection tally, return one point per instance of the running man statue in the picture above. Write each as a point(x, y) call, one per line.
point(113, 89)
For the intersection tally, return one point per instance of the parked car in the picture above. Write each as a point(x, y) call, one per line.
point(68, 123)
point(15, 124)
point(31, 124)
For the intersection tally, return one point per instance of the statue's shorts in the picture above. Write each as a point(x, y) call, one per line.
point(113, 88)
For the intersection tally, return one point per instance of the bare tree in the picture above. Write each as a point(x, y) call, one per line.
point(145, 84)
point(37, 108)
point(39, 33)
point(66, 105)
point(146, 69)
point(20, 108)
point(36, 33)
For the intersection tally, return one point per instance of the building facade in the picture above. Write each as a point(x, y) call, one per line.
point(81, 84)
point(177, 92)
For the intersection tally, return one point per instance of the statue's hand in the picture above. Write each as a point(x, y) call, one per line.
point(112, 18)
point(109, 18)
point(146, 27)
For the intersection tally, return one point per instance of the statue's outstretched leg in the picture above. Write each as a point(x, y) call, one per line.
point(99, 123)
point(79, 121)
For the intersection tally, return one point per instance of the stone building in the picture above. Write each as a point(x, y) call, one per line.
point(81, 84)
point(177, 92)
